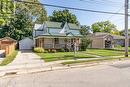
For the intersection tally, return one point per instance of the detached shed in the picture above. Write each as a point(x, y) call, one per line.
point(8, 44)
point(26, 44)
point(106, 40)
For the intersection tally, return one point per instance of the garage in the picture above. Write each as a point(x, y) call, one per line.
point(26, 44)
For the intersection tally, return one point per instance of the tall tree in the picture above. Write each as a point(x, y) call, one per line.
point(104, 26)
point(6, 11)
point(18, 27)
point(63, 16)
point(36, 11)
point(85, 30)
point(26, 14)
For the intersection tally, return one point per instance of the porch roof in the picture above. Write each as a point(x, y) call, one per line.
point(59, 35)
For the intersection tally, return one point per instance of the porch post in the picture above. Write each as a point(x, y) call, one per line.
point(53, 43)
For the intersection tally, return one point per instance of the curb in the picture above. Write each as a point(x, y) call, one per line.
point(36, 69)
point(50, 68)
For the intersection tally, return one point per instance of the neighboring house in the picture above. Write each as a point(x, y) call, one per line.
point(26, 44)
point(106, 40)
point(7, 45)
point(57, 35)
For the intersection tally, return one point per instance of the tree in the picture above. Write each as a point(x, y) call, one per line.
point(26, 14)
point(104, 26)
point(6, 11)
point(18, 27)
point(85, 30)
point(37, 11)
point(122, 32)
point(63, 16)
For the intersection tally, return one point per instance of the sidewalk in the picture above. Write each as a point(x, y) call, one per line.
point(18, 66)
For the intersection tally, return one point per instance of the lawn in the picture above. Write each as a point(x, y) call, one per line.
point(86, 61)
point(48, 57)
point(104, 52)
point(9, 58)
point(89, 53)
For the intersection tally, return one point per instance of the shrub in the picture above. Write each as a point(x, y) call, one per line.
point(68, 50)
point(62, 50)
point(38, 50)
point(85, 43)
point(53, 51)
point(45, 51)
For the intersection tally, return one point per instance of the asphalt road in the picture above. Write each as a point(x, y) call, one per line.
point(108, 75)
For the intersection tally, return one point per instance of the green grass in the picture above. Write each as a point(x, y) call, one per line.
point(9, 58)
point(90, 53)
point(48, 57)
point(86, 61)
point(104, 52)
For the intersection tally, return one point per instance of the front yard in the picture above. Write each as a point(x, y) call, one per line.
point(48, 57)
point(104, 52)
point(89, 53)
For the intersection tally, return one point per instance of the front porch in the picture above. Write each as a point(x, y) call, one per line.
point(57, 43)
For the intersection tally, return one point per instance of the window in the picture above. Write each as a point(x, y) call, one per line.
point(56, 40)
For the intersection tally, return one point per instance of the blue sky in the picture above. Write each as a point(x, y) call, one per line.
point(88, 18)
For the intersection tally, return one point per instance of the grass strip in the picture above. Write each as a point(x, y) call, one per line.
point(85, 61)
point(9, 58)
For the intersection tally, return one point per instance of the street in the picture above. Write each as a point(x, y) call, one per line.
point(105, 75)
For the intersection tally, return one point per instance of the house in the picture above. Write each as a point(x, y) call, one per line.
point(7, 45)
point(57, 35)
point(106, 40)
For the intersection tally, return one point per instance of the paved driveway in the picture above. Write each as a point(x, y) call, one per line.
point(27, 58)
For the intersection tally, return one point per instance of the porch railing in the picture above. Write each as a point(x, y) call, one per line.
point(55, 46)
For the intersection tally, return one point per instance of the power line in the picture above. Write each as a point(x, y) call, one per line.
point(116, 12)
point(112, 1)
point(72, 8)
point(102, 2)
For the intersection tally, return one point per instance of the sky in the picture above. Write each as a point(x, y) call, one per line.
point(88, 18)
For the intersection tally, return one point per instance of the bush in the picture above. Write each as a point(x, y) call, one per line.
point(45, 51)
point(38, 50)
point(53, 51)
point(85, 43)
point(62, 50)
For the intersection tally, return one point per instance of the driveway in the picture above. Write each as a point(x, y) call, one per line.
point(26, 58)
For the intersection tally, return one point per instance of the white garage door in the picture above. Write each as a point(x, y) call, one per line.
point(26, 44)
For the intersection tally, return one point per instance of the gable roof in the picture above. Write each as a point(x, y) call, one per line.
point(7, 38)
point(38, 27)
point(53, 24)
point(103, 35)
point(61, 25)
point(73, 26)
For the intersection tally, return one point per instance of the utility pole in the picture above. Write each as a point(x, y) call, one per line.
point(126, 28)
